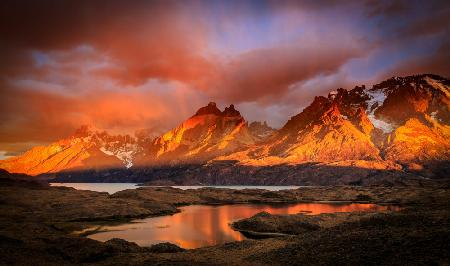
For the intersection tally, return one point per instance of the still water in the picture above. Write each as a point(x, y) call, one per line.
point(201, 225)
point(99, 187)
point(115, 187)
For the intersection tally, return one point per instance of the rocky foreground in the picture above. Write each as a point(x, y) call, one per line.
point(37, 224)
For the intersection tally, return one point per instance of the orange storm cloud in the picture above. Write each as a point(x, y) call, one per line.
point(150, 64)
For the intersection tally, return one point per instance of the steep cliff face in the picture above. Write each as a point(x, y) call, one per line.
point(261, 130)
point(403, 121)
point(324, 131)
point(420, 145)
point(86, 149)
point(416, 111)
point(208, 133)
point(413, 97)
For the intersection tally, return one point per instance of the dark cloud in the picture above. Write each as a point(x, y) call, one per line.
point(264, 73)
point(149, 64)
point(145, 38)
point(386, 7)
point(429, 25)
point(435, 62)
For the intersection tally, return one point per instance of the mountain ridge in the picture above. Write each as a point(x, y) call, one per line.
point(400, 124)
point(362, 124)
point(199, 138)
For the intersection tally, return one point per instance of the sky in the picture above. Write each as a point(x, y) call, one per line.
point(124, 66)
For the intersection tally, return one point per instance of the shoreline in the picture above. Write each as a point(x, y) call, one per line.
point(38, 218)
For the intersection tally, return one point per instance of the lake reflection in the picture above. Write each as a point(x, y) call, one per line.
point(200, 225)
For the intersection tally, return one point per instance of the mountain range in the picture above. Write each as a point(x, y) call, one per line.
point(397, 129)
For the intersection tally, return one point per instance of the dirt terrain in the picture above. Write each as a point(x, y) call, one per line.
point(37, 224)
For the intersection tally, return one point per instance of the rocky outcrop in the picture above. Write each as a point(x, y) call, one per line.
point(165, 248)
point(207, 134)
point(265, 224)
point(210, 109)
point(261, 130)
point(401, 121)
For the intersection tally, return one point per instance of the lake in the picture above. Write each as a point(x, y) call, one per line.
point(202, 225)
point(115, 187)
point(99, 187)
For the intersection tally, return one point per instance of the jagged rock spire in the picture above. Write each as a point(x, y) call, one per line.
point(230, 111)
point(211, 108)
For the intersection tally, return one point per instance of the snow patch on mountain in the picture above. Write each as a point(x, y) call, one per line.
point(124, 153)
point(376, 100)
point(105, 151)
point(126, 157)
